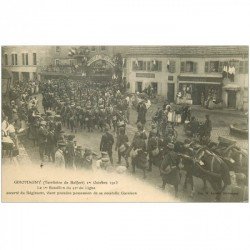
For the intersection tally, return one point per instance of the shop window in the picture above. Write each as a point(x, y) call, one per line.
point(170, 78)
point(25, 59)
point(14, 59)
point(6, 59)
point(34, 59)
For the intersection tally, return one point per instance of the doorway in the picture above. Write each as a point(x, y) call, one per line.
point(139, 87)
point(231, 99)
point(154, 85)
point(170, 94)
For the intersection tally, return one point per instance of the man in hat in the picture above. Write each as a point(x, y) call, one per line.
point(42, 139)
point(51, 144)
point(69, 152)
point(107, 142)
point(59, 155)
point(78, 157)
point(122, 146)
point(153, 149)
point(169, 169)
point(207, 127)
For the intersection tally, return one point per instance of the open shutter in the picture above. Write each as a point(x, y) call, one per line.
point(206, 67)
point(159, 66)
point(182, 67)
point(194, 67)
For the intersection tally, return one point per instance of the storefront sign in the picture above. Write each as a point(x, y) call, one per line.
point(101, 57)
point(200, 79)
point(146, 75)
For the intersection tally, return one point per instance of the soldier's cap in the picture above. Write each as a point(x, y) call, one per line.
point(61, 144)
point(170, 145)
point(71, 137)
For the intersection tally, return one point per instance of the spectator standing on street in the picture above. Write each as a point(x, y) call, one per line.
point(207, 127)
point(42, 138)
point(59, 156)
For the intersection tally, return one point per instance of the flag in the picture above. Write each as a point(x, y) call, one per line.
point(168, 65)
point(123, 61)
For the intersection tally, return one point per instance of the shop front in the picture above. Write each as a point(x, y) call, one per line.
point(199, 90)
point(231, 96)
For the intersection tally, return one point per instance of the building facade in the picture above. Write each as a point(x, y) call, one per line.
point(24, 62)
point(191, 74)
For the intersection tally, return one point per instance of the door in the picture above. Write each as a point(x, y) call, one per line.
point(231, 99)
point(170, 93)
point(139, 87)
point(154, 85)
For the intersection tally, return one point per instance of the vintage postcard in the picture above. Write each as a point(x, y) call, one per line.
point(125, 123)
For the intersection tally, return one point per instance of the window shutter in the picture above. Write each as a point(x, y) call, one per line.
point(160, 66)
point(182, 67)
point(206, 67)
point(241, 67)
point(172, 66)
point(194, 67)
point(246, 67)
point(221, 64)
point(148, 66)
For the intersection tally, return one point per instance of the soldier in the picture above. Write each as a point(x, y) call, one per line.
point(153, 149)
point(170, 172)
point(59, 155)
point(78, 157)
point(122, 146)
point(42, 138)
point(107, 142)
point(139, 156)
point(51, 145)
point(69, 152)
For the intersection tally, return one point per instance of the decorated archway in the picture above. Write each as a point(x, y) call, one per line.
point(101, 57)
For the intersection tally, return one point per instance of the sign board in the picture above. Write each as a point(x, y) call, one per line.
point(146, 75)
point(101, 57)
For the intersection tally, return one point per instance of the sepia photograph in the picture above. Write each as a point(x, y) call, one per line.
point(85, 123)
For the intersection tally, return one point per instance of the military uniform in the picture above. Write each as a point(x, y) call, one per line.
point(106, 144)
point(42, 139)
point(69, 153)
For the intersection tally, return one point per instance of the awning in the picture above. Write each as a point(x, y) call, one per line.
point(232, 86)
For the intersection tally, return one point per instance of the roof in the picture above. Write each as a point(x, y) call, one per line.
point(191, 51)
point(5, 74)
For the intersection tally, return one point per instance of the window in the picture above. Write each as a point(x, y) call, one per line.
point(93, 48)
point(25, 58)
point(57, 62)
point(188, 66)
point(58, 49)
point(6, 59)
point(243, 67)
point(34, 59)
point(171, 66)
point(147, 66)
point(13, 59)
point(170, 78)
point(103, 47)
point(213, 66)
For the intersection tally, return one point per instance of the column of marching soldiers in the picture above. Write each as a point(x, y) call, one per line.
point(89, 106)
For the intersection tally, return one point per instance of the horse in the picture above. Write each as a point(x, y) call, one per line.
point(204, 164)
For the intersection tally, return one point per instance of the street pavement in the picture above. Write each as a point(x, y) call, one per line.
point(92, 140)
